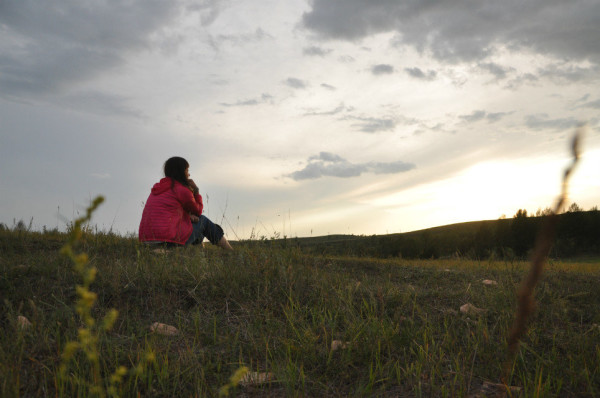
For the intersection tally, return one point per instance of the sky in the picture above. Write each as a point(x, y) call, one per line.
point(298, 118)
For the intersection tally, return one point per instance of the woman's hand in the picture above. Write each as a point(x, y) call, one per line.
point(194, 218)
point(192, 185)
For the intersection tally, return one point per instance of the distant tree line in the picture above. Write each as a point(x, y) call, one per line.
point(578, 234)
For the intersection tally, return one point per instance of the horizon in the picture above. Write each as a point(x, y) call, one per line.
point(28, 225)
point(298, 118)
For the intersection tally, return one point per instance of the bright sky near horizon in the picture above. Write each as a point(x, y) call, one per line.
point(298, 117)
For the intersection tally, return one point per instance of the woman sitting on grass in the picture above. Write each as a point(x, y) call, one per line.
point(173, 211)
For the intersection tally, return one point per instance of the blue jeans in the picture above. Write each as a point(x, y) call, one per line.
point(205, 228)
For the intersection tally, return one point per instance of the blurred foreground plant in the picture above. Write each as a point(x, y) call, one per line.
point(234, 380)
point(88, 335)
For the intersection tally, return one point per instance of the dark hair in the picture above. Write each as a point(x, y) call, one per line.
point(175, 169)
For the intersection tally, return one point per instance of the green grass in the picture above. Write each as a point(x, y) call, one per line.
point(278, 310)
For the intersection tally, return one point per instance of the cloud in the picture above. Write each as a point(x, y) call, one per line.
point(209, 10)
point(479, 115)
point(382, 69)
point(250, 102)
point(419, 74)
point(350, 20)
point(339, 109)
point(327, 164)
point(591, 104)
point(295, 83)
point(377, 124)
point(465, 30)
point(439, 127)
point(473, 117)
point(496, 117)
point(316, 51)
point(47, 46)
point(328, 86)
point(543, 122)
point(346, 59)
point(389, 168)
point(498, 71)
point(374, 125)
point(327, 157)
point(526, 78)
point(562, 73)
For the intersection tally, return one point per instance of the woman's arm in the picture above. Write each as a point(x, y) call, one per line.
point(191, 202)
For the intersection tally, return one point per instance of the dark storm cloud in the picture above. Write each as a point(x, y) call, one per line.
point(295, 83)
point(382, 69)
point(419, 74)
point(544, 122)
point(466, 30)
point(48, 45)
point(327, 164)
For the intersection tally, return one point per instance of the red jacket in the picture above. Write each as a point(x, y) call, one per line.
point(166, 216)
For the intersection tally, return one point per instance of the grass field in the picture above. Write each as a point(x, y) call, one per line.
point(397, 324)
